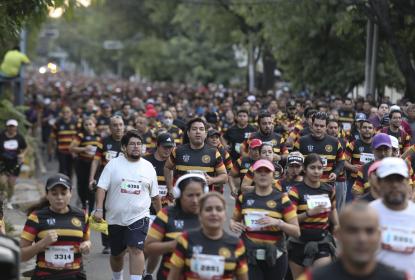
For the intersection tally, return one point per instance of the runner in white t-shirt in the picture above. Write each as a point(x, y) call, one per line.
point(130, 184)
point(397, 215)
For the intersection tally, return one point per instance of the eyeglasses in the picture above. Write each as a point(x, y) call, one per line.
point(133, 144)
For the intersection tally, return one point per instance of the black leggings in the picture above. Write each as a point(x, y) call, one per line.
point(83, 168)
point(261, 271)
point(65, 164)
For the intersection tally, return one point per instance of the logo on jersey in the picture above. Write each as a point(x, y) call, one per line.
point(361, 149)
point(250, 202)
point(271, 203)
point(206, 159)
point(224, 252)
point(148, 140)
point(51, 221)
point(179, 224)
point(310, 148)
point(88, 138)
point(76, 222)
point(197, 249)
point(62, 127)
point(186, 158)
point(329, 148)
point(109, 146)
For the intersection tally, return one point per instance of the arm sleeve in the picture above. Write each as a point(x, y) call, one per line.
point(31, 228)
point(158, 227)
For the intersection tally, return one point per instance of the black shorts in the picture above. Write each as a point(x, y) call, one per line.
point(296, 252)
point(121, 237)
point(11, 167)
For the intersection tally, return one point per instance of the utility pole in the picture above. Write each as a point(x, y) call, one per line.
point(19, 91)
point(251, 64)
point(372, 39)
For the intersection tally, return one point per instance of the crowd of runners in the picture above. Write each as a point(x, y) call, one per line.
point(322, 187)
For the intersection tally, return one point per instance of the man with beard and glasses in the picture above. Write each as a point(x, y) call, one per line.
point(359, 236)
point(130, 185)
point(397, 215)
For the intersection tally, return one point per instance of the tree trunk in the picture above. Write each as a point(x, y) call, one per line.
point(268, 60)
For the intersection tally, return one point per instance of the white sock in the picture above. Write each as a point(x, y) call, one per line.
point(136, 277)
point(117, 275)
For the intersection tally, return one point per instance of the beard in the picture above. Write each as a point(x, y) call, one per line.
point(134, 157)
point(395, 200)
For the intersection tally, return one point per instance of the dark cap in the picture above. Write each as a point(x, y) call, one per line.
point(165, 140)
point(58, 180)
point(212, 132)
point(295, 157)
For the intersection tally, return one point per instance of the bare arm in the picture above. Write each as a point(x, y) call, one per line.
point(29, 250)
point(168, 174)
point(174, 273)
point(156, 202)
point(154, 247)
point(94, 167)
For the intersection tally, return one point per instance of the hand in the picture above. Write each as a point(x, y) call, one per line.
point(234, 193)
point(51, 237)
point(332, 177)
point(356, 168)
point(209, 179)
point(85, 247)
point(92, 185)
point(317, 210)
point(236, 227)
point(20, 158)
point(98, 215)
point(89, 148)
point(268, 221)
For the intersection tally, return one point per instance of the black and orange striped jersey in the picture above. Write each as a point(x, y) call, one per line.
point(282, 120)
point(359, 152)
point(235, 136)
point(241, 166)
point(159, 166)
point(200, 257)
point(226, 157)
point(64, 133)
point(168, 225)
point(329, 149)
point(284, 185)
point(361, 184)
point(187, 160)
point(149, 141)
point(346, 119)
point(83, 140)
point(302, 196)
point(177, 134)
point(273, 138)
point(249, 207)
point(404, 138)
point(109, 149)
point(64, 256)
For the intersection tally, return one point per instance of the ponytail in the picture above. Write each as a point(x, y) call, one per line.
point(43, 202)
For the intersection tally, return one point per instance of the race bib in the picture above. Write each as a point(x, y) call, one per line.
point(11, 144)
point(399, 240)
point(324, 160)
point(347, 126)
point(92, 151)
point(238, 147)
point(130, 187)
point(252, 220)
point(109, 155)
point(366, 158)
point(163, 190)
point(316, 200)
point(207, 266)
point(59, 256)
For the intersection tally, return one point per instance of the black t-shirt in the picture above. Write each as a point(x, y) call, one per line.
point(336, 271)
point(235, 137)
point(10, 147)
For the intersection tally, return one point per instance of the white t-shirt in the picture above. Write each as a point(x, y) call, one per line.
point(130, 187)
point(398, 236)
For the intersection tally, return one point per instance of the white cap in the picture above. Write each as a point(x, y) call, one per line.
point(392, 165)
point(11, 122)
point(394, 141)
point(251, 98)
point(395, 108)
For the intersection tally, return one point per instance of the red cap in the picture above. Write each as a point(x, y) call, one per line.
point(255, 143)
point(263, 163)
point(151, 113)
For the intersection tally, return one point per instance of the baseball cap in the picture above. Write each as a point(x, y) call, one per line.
point(360, 117)
point(394, 108)
point(381, 139)
point(392, 165)
point(105, 105)
point(255, 143)
point(373, 167)
point(165, 140)
point(58, 179)
point(251, 98)
point(11, 122)
point(212, 132)
point(263, 163)
point(394, 142)
point(295, 157)
point(151, 113)
point(291, 104)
